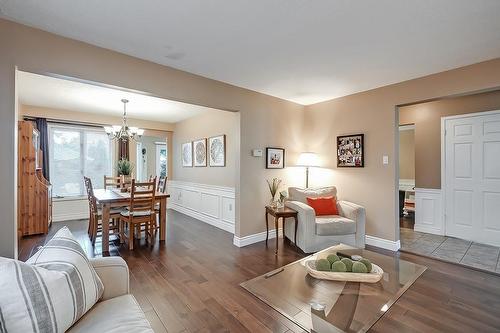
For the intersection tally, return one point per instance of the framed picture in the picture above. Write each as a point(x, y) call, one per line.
point(200, 153)
point(350, 151)
point(187, 154)
point(275, 158)
point(217, 151)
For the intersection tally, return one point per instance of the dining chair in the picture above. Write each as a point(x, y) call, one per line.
point(95, 214)
point(113, 182)
point(140, 213)
point(162, 188)
point(162, 185)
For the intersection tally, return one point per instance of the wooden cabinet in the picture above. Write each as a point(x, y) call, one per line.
point(34, 192)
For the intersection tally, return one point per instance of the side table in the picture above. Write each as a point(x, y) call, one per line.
point(282, 213)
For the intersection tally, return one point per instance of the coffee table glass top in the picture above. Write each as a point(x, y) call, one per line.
point(332, 306)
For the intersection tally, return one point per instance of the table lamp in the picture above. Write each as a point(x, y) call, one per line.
point(308, 160)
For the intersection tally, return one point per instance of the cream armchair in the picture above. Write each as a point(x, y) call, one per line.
point(315, 233)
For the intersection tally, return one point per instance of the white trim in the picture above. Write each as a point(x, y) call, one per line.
point(69, 198)
point(406, 184)
point(221, 224)
point(255, 238)
point(261, 236)
point(190, 185)
point(428, 190)
point(443, 156)
point(211, 204)
point(159, 148)
point(383, 243)
point(406, 127)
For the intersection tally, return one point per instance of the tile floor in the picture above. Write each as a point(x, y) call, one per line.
point(451, 249)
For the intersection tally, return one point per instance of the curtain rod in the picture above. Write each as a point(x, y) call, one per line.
point(65, 122)
point(82, 123)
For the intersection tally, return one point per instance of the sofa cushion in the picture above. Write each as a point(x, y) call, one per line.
point(301, 194)
point(119, 314)
point(138, 213)
point(49, 292)
point(78, 290)
point(334, 225)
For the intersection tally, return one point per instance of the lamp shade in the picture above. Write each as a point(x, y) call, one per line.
point(308, 159)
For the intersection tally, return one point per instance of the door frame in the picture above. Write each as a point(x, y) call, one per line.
point(443, 156)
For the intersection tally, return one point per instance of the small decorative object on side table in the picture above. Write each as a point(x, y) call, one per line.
point(282, 213)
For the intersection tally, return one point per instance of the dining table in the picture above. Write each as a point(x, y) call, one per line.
point(113, 198)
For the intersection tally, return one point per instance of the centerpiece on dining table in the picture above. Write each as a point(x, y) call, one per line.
point(124, 168)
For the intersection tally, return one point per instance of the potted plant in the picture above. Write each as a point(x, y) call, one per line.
point(124, 168)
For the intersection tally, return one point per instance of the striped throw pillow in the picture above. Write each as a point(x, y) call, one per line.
point(49, 292)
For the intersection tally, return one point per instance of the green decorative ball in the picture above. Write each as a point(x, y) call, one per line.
point(367, 263)
point(359, 267)
point(348, 264)
point(323, 265)
point(332, 258)
point(338, 266)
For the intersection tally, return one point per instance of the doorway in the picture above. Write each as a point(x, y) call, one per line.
point(407, 176)
point(456, 180)
point(151, 157)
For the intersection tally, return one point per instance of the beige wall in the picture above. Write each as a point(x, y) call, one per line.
point(204, 126)
point(374, 114)
point(266, 120)
point(407, 154)
point(427, 120)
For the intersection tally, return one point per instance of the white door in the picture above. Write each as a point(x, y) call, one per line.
point(472, 178)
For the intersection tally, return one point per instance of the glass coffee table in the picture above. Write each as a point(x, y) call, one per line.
point(332, 306)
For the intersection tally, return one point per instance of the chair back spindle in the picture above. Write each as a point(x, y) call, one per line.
point(113, 182)
point(162, 185)
point(142, 197)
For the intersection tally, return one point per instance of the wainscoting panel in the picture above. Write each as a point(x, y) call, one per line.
point(228, 210)
point(70, 209)
point(208, 203)
point(428, 211)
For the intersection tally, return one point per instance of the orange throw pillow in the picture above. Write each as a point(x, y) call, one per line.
point(324, 205)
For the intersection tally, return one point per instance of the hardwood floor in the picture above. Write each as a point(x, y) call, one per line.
point(191, 284)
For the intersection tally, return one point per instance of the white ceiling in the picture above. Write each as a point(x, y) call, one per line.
point(50, 92)
point(301, 50)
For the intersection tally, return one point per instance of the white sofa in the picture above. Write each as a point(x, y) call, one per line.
point(117, 310)
point(315, 233)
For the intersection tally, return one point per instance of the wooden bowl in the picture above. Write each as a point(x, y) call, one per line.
point(373, 277)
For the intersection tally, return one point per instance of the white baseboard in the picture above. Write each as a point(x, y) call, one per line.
point(255, 238)
point(229, 227)
point(261, 236)
point(383, 243)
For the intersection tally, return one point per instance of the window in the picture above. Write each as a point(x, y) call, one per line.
point(161, 160)
point(74, 152)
